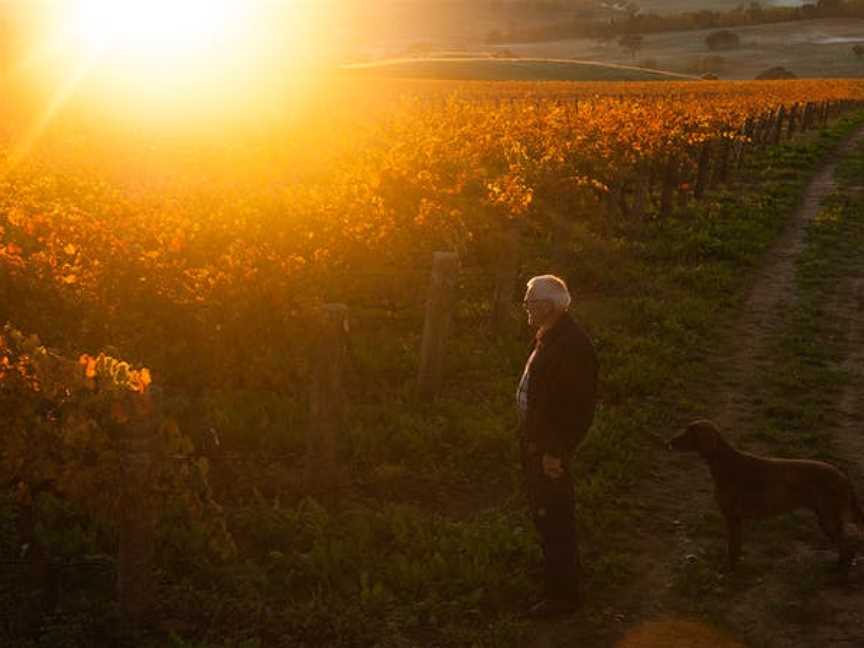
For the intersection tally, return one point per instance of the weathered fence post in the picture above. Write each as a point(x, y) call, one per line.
point(721, 169)
point(504, 320)
point(769, 126)
point(756, 132)
point(702, 170)
point(668, 188)
point(136, 508)
point(610, 202)
point(744, 143)
point(326, 399)
point(621, 198)
point(793, 120)
point(641, 193)
point(439, 315)
point(38, 588)
point(778, 127)
point(765, 128)
point(682, 188)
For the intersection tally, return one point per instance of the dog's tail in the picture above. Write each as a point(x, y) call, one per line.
point(857, 511)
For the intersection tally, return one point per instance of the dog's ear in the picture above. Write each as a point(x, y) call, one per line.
point(707, 437)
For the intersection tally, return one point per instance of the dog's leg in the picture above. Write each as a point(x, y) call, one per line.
point(734, 538)
point(831, 522)
point(845, 551)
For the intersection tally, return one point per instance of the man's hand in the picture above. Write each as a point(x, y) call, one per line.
point(552, 467)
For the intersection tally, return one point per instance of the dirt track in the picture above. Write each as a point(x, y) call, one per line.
point(783, 596)
point(684, 494)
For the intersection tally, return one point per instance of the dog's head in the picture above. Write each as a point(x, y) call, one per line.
point(700, 436)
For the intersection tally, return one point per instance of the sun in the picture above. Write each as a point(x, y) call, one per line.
point(155, 29)
point(162, 58)
point(166, 63)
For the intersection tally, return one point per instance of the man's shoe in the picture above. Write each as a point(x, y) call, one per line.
point(550, 608)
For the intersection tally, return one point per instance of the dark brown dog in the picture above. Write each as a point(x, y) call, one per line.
point(747, 486)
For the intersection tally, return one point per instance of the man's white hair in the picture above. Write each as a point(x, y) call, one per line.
point(550, 288)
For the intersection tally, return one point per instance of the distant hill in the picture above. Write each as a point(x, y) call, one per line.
point(501, 69)
point(808, 48)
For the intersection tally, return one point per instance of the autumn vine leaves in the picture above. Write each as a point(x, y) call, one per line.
point(209, 288)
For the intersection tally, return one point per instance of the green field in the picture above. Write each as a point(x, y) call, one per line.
point(527, 69)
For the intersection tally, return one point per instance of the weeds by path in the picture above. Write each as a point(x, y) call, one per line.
point(789, 402)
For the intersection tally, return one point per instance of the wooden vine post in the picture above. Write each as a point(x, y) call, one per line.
point(668, 188)
point(682, 189)
point(721, 173)
point(38, 584)
point(764, 123)
point(326, 399)
point(793, 120)
point(702, 170)
point(439, 315)
point(641, 192)
point(610, 201)
point(137, 512)
point(778, 127)
point(745, 143)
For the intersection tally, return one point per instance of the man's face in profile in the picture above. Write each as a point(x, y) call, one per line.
point(538, 310)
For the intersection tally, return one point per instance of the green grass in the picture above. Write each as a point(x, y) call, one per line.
point(454, 560)
point(795, 393)
point(436, 549)
point(807, 376)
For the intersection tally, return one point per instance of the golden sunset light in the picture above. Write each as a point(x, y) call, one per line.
point(157, 29)
point(157, 60)
point(353, 323)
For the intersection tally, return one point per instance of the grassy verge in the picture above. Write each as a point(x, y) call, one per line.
point(795, 404)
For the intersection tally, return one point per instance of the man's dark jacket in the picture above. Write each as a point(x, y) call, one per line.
point(562, 390)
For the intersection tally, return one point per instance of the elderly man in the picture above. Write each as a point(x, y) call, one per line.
point(556, 399)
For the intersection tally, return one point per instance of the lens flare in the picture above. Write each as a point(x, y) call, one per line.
point(164, 29)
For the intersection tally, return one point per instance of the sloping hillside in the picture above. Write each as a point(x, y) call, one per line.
point(488, 69)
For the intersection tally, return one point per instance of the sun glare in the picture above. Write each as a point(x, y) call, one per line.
point(155, 28)
point(178, 64)
point(166, 59)
point(179, 59)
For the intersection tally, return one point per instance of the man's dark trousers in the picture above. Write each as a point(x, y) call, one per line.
point(559, 408)
point(552, 508)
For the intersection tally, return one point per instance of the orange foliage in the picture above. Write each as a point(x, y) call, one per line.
point(198, 276)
